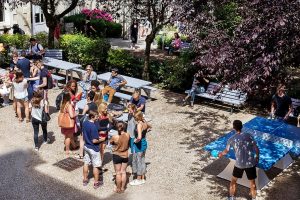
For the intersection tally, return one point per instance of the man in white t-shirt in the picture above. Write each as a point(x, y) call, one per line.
point(36, 50)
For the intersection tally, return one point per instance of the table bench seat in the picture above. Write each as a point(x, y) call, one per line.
point(123, 96)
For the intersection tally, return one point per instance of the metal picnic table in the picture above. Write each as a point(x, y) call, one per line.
point(275, 142)
point(60, 64)
point(131, 82)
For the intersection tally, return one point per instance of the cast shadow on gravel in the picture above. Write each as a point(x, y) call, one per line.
point(32, 184)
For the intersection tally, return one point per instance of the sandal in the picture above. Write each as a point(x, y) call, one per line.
point(79, 157)
point(21, 120)
point(85, 182)
point(27, 120)
point(97, 184)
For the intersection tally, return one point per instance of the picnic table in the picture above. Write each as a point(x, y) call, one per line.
point(60, 64)
point(276, 141)
point(131, 82)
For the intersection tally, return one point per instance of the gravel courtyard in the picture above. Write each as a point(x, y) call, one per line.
point(177, 167)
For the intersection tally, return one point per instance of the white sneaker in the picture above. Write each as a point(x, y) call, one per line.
point(47, 142)
point(36, 149)
point(136, 182)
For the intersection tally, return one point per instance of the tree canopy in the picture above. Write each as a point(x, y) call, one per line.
point(249, 44)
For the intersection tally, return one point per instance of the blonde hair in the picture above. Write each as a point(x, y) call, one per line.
point(139, 116)
point(102, 107)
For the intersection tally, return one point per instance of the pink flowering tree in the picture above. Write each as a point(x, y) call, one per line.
point(97, 14)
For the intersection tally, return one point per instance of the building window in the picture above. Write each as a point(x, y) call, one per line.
point(39, 17)
point(1, 13)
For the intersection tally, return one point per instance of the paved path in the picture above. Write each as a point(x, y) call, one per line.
point(177, 168)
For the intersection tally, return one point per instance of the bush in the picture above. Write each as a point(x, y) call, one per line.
point(103, 28)
point(42, 38)
point(125, 62)
point(17, 41)
point(168, 72)
point(84, 50)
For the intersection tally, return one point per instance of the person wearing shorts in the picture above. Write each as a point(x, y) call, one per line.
point(120, 156)
point(91, 149)
point(247, 156)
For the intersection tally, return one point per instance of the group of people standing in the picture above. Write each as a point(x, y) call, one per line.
point(95, 123)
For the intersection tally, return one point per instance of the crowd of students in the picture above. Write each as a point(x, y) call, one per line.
point(26, 83)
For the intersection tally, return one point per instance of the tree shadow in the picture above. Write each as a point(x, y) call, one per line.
point(20, 180)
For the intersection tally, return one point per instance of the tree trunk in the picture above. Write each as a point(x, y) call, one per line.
point(149, 41)
point(51, 37)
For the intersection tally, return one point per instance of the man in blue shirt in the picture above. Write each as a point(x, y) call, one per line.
point(138, 101)
point(115, 82)
point(246, 160)
point(91, 149)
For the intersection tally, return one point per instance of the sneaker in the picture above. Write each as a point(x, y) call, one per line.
point(98, 184)
point(36, 148)
point(47, 142)
point(136, 182)
point(231, 198)
point(143, 181)
point(5, 104)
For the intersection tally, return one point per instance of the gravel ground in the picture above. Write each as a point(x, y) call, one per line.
point(177, 167)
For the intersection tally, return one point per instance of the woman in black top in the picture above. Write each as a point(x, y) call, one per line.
point(134, 33)
point(88, 27)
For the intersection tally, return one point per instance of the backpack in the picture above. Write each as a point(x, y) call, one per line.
point(50, 84)
point(58, 100)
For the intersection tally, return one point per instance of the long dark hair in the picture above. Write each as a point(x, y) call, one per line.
point(19, 74)
point(36, 99)
point(68, 86)
point(66, 99)
point(120, 127)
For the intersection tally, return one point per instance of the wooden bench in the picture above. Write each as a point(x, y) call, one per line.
point(233, 98)
point(51, 53)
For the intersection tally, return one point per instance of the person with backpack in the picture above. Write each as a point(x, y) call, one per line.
point(45, 79)
point(36, 50)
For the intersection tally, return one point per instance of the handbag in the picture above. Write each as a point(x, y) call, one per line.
point(45, 116)
point(64, 120)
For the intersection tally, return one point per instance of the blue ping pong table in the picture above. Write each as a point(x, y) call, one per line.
point(274, 150)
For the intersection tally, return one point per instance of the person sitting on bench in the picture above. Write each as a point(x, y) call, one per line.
point(36, 50)
point(88, 76)
point(176, 44)
point(199, 85)
point(115, 82)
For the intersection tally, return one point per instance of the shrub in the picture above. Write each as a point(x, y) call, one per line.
point(125, 62)
point(42, 38)
point(17, 41)
point(84, 50)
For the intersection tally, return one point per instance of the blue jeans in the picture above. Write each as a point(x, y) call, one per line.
point(195, 91)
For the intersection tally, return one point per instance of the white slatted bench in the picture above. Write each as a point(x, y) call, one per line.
point(233, 98)
point(57, 78)
point(123, 97)
point(148, 89)
point(50, 53)
point(79, 72)
point(295, 104)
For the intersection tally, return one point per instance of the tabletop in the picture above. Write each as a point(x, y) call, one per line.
point(279, 129)
point(60, 64)
point(131, 82)
point(270, 150)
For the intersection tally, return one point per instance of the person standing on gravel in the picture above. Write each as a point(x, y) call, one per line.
point(139, 147)
point(244, 148)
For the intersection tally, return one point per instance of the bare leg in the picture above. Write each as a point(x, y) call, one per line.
point(96, 174)
point(26, 104)
point(123, 174)
point(19, 105)
point(118, 177)
point(81, 144)
point(102, 149)
point(298, 125)
point(253, 188)
point(85, 172)
point(232, 189)
point(67, 143)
